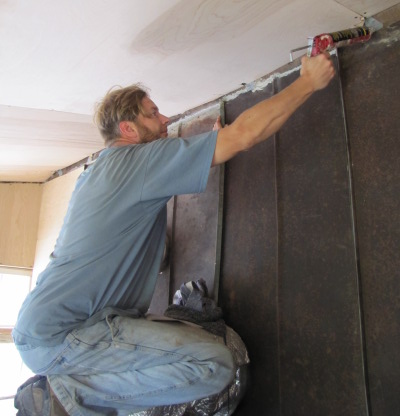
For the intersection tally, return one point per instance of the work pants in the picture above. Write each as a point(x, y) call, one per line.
point(122, 365)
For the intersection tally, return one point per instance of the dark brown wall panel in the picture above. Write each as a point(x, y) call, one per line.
point(248, 289)
point(371, 85)
point(321, 361)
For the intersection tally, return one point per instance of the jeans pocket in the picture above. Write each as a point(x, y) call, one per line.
point(89, 348)
point(93, 335)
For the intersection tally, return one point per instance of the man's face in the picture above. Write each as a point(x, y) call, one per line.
point(151, 125)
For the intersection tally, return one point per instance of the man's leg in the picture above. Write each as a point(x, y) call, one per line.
point(134, 364)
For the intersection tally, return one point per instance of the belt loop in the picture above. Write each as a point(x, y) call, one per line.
point(109, 319)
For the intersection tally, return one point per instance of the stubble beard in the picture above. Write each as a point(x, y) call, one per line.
point(145, 134)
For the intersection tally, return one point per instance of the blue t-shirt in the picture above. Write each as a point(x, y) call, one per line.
point(109, 250)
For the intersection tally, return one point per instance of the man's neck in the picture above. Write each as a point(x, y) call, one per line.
point(122, 142)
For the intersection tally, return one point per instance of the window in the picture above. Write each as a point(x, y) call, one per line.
point(13, 290)
point(15, 284)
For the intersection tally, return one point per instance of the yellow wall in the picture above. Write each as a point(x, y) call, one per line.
point(31, 216)
point(55, 198)
point(19, 218)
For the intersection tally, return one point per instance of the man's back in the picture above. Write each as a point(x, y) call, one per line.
point(110, 247)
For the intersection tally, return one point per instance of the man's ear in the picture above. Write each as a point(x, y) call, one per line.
point(127, 130)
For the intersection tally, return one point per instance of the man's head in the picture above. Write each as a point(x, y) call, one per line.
point(128, 116)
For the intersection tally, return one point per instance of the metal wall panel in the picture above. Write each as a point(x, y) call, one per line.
point(371, 87)
point(194, 223)
point(161, 296)
point(321, 361)
point(248, 288)
point(195, 242)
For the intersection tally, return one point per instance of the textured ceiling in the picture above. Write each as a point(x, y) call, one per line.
point(57, 58)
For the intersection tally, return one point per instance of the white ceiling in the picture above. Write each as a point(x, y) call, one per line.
point(58, 57)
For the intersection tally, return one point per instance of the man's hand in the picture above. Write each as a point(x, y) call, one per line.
point(217, 124)
point(317, 70)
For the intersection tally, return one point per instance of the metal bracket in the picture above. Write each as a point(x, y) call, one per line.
point(309, 46)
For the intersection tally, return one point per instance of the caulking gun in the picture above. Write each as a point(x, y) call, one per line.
point(329, 41)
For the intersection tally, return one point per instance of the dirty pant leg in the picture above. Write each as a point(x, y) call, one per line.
point(134, 364)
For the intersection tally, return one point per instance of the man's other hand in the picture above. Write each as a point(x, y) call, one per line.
point(217, 124)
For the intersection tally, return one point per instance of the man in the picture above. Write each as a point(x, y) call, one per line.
point(83, 325)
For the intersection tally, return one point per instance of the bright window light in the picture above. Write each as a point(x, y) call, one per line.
point(13, 290)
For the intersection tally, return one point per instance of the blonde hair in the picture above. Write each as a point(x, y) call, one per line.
point(121, 104)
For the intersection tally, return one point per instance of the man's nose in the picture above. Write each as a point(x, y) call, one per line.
point(164, 119)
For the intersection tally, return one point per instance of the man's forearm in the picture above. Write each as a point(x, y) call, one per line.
point(267, 117)
point(260, 121)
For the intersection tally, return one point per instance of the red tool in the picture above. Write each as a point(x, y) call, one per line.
point(329, 41)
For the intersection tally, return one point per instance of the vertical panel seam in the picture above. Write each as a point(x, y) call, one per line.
point(220, 215)
point(171, 250)
point(277, 225)
point(356, 247)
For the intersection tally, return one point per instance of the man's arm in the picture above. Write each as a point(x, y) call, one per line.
point(265, 118)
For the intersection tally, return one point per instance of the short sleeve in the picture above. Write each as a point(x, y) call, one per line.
point(178, 166)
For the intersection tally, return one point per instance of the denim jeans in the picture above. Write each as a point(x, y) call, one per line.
point(122, 365)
